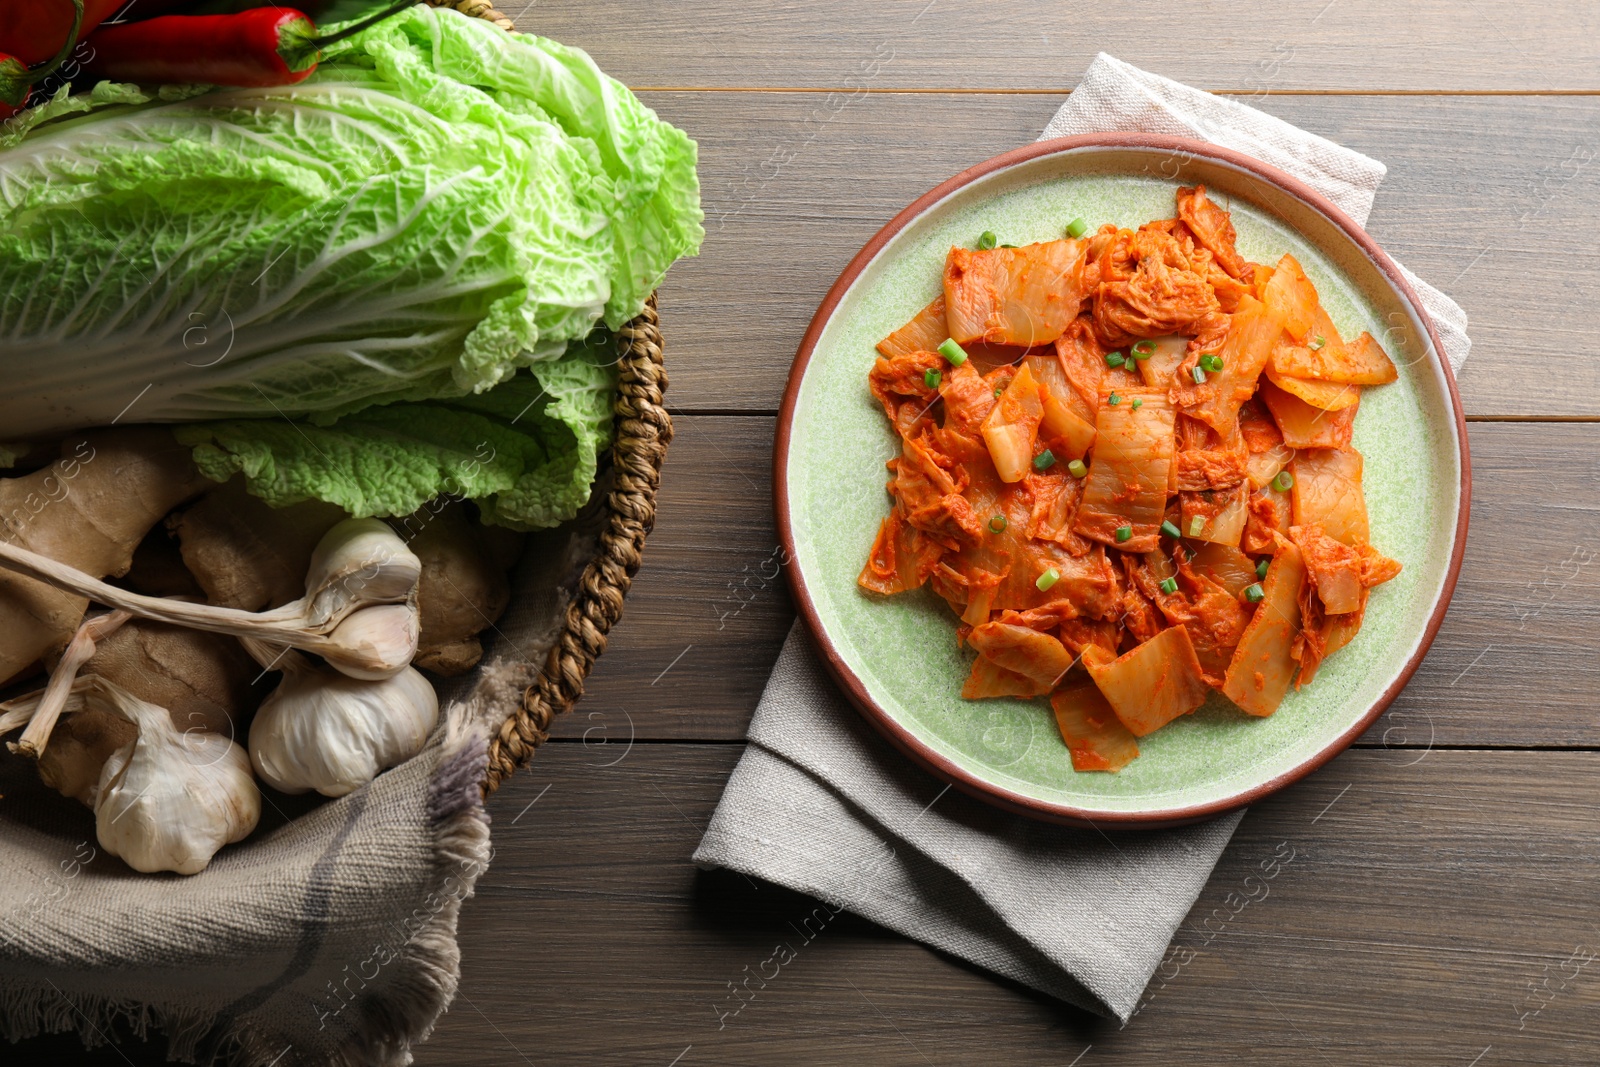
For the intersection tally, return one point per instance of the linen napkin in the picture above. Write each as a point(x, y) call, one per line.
point(1119, 96)
point(821, 804)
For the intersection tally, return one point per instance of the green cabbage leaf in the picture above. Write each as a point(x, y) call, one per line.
point(527, 451)
point(391, 253)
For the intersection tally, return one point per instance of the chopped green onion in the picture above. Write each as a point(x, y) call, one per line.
point(1123, 533)
point(1211, 361)
point(1254, 593)
point(1044, 460)
point(997, 393)
point(931, 378)
point(1317, 342)
point(1261, 568)
point(953, 352)
point(1144, 349)
point(1138, 402)
point(1169, 585)
point(986, 240)
point(1114, 399)
point(1196, 524)
point(1169, 529)
point(1283, 482)
point(1077, 227)
point(1008, 246)
point(1199, 375)
point(1115, 359)
point(1077, 468)
point(998, 524)
point(1047, 579)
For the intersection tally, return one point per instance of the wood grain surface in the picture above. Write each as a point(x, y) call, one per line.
point(1503, 222)
point(1420, 901)
point(1250, 47)
point(1439, 906)
point(1438, 899)
point(1425, 908)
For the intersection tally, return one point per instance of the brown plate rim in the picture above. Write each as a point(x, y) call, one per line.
point(902, 738)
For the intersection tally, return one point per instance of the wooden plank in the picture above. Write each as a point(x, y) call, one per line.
point(1429, 909)
point(1513, 665)
point(709, 610)
point(1417, 907)
point(1491, 199)
point(1349, 45)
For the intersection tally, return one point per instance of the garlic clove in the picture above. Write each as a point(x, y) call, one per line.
point(325, 731)
point(359, 561)
point(373, 643)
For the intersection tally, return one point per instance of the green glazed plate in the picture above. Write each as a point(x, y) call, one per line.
point(897, 658)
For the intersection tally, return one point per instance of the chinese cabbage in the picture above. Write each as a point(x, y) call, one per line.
point(439, 206)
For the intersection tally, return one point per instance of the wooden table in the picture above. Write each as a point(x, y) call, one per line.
point(1442, 902)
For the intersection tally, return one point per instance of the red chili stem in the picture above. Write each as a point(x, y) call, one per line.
point(15, 84)
point(354, 28)
point(251, 48)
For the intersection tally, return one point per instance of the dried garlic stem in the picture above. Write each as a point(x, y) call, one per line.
point(80, 650)
point(360, 615)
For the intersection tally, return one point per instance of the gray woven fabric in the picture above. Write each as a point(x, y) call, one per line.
point(821, 804)
point(325, 938)
point(328, 940)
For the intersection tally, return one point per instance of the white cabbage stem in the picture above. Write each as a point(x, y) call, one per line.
point(359, 612)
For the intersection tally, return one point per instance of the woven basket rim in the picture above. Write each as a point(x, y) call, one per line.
point(643, 432)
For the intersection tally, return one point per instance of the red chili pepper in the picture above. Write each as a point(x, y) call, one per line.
point(32, 30)
point(256, 47)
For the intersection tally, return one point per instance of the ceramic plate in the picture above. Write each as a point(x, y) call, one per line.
point(897, 658)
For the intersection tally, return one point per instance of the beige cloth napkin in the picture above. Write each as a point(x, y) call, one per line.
point(328, 941)
point(1119, 96)
point(821, 804)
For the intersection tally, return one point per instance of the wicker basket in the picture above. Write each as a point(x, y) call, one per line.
point(625, 518)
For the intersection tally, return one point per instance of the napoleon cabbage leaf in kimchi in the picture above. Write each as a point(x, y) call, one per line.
point(1125, 463)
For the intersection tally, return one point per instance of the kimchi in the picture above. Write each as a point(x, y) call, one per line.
point(1126, 464)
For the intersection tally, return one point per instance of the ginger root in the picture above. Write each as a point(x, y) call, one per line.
point(202, 679)
point(89, 509)
point(463, 589)
point(158, 568)
point(246, 554)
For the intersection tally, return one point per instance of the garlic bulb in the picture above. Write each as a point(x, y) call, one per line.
point(202, 679)
point(359, 593)
point(168, 800)
point(326, 731)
